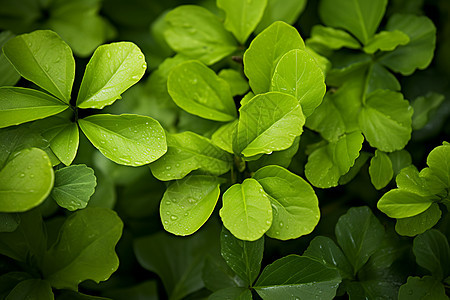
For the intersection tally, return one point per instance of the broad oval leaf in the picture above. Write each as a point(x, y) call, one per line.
point(402, 204)
point(432, 252)
point(188, 151)
point(197, 33)
point(84, 249)
point(25, 181)
point(360, 17)
point(31, 289)
point(238, 83)
point(418, 53)
point(425, 288)
point(297, 277)
point(380, 170)
point(281, 10)
point(45, 59)
point(242, 17)
point(198, 90)
point(386, 41)
point(243, 257)
point(410, 180)
point(298, 74)
point(20, 105)
point(265, 51)
point(439, 162)
point(328, 163)
point(126, 139)
point(113, 68)
point(385, 120)
point(420, 223)
point(246, 210)
point(359, 233)
point(223, 137)
point(294, 204)
point(268, 122)
point(188, 203)
point(74, 186)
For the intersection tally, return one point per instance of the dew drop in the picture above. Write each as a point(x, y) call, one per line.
point(108, 54)
point(166, 222)
point(191, 200)
point(281, 224)
point(168, 202)
point(186, 214)
point(31, 175)
point(144, 66)
point(168, 167)
point(22, 175)
point(135, 77)
point(173, 217)
point(167, 213)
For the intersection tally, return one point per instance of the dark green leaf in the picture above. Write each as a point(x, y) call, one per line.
point(425, 288)
point(420, 223)
point(9, 222)
point(232, 293)
point(217, 275)
point(9, 75)
point(281, 10)
point(424, 107)
point(433, 253)
point(31, 289)
point(386, 41)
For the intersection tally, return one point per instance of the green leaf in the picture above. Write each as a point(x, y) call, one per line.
point(20, 105)
point(359, 233)
point(9, 280)
point(281, 158)
point(433, 253)
point(127, 139)
point(238, 84)
point(84, 249)
point(72, 295)
point(198, 90)
point(45, 59)
point(31, 289)
point(359, 17)
point(74, 186)
point(331, 38)
point(62, 135)
point(439, 162)
point(298, 74)
point(147, 290)
point(380, 170)
point(25, 181)
point(325, 250)
point(188, 203)
point(410, 180)
point(266, 50)
point(425, 288)
point(385, 120)
point(400, 159)
point(243, 257)
point(386, 41)
point(9, 75)
point(354, 170)
point(217, 275)
point(246, 210)
point(402, 204)
point(298, 277)
point(424, 107)
point(232, 293)
point(177, 261)
point(420, 223)
point(197, 33)
point(279, 121)
point(188, 151)
point(223, 137)
point(294, 204)
point(242, 17)
point(281, 10)
point(379, 78)
point(112, 69)
point(9, 222)
point(328, 163)
point(418, 53)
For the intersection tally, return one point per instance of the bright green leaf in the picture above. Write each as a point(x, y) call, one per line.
point(439, 162)
point(410, 180)
point(433, 253)
point(380, 170)
point(127, 139)
point(386, 41)
point(298, 74)
point(266, 50)
point(198, 90)
point(74, 186)
point(243, 257)
point(424, 107)
point(402, 204)
point(279, 121)
point(294, 203)
point(246, 210)
point(84, 249)
point(297, 277)
point(188, 151)
point(197, 33)
point(354, 170)
point(359, 233)
point(331, 38)
point(281, 10)
point(385, 120)
point(420, 223)
point(31, 289)
point(425, 288)
point(242, 17)
point(328, 163)
point(418, 53)
point(188, 203)
point(223, 137)
point(19, 105)
point(238, 84)
point(280, 158)
point(113, 68)
point(359, 17)
point(45, 59)
point(25, 181)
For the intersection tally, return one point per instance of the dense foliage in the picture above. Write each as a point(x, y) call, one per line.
point(262, 149)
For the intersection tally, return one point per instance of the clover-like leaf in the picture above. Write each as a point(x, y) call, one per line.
point(126, 139)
